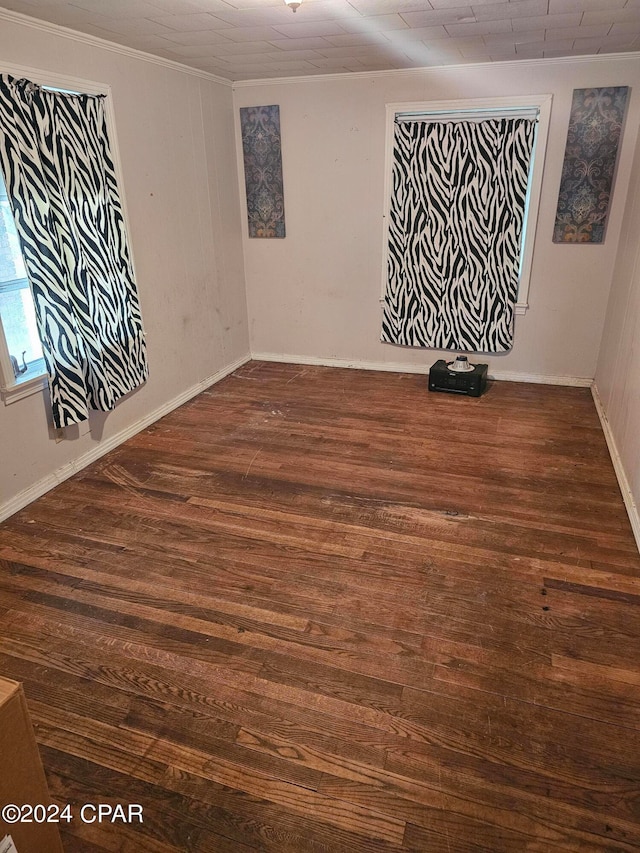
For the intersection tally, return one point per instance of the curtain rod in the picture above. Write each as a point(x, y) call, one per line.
point(465, 115)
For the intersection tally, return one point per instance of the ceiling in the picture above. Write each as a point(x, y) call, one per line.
point(254, 39)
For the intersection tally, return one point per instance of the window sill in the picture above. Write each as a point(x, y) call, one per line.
point(20, 390)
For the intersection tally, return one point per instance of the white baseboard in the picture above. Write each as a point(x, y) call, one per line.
point(623, 482)
point(63, 473)
point(399, 367)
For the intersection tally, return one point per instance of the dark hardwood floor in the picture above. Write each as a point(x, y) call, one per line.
point(325, 611)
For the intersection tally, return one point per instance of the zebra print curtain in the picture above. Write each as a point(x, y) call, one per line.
point(455, 228)
point(56, 160)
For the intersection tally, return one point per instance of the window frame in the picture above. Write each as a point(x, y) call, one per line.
point(17, 388)
point(10, 390)
point(474, 108)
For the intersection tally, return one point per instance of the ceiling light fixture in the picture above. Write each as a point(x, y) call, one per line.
point(293, 4)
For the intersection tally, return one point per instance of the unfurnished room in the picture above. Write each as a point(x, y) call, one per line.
point(320, 426)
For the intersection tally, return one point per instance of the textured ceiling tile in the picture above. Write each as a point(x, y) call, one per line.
point(582, 32)
point(358, 52)
point(186, 7)
point(186, 52)
point(199, 21)
point(252, 34)
point(382, 65)
point(501, 52)
point(530, 51)
point(251, 59)
point(118, 8)
point(418, 51)
point(213, 67)
point(383, 22)
point(433, 17)
point(628, 27)
point(336, 66)
point(324, 10)
point(198, 37)
point(360, 25)
point(134, 27)
point(501, 46)
point(352, 39)
point(137, 42)
point(260, 18)
point(450, 4)
point(418, 34)
point(497, 46)
point(557, 7)
point(148, 44)
point(37, 4)
point(251, 5)
point(515, 9)
point(525, 37)
point(476, 53)
point(558, 44)
point(612, 16)
point(300, 44)
point(621, 42)
point(32, 7)
point(24, 7)
point(70, 16)
point(307, 55)
point(290, 67)
point(465, 41)
point(241, 48)
point(480, 28)
point(317, 28)
point(445, 54)
point(385, 7)
point(546, 22)
point(555, 54)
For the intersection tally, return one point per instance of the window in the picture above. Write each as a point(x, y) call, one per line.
point(462, 191)
point(22, 365)
point(23, 358)
point(73, 232)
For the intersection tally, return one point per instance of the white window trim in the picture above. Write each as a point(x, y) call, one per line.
point(10, 390)
point(509, 106)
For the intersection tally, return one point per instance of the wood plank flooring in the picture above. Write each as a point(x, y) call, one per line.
point(325, 611)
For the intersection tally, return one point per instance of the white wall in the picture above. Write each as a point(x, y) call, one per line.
point(617, 381)
point(314, 295)
point(176, 140)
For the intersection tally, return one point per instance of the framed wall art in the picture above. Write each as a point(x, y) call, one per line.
point(261, 148)
point(591, 153)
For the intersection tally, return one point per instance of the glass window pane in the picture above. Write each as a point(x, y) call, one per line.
point(19, 324)
point(16, 302)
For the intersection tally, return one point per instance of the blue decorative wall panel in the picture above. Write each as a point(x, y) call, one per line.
point(593, 138)
point(263, 170)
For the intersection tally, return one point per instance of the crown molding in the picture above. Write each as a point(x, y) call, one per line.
point(95, 41)
point(437, 69)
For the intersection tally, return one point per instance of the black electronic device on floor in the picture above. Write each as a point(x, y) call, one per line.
point(458, 377)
